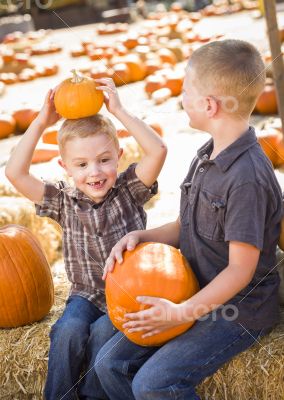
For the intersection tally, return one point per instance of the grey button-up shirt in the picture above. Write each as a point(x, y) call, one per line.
point(235, 197)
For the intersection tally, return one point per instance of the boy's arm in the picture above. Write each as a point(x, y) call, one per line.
point(17, 168)
point(148, 169)
point(154, 148)
point(243, 259)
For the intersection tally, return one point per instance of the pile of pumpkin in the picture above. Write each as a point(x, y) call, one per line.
point(16, 64)
point(47, 148)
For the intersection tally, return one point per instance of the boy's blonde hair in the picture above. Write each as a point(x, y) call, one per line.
point(230, 68)
point(84, 127)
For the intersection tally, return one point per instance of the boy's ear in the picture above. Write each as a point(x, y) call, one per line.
point(63, 165)
point(213, 106)
point(120, 152)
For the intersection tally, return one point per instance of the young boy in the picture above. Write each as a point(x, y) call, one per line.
point(94, 215)
point(228, 229)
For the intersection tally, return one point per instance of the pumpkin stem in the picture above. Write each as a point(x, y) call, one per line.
point(76, 77)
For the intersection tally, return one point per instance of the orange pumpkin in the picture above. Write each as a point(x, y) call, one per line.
point(78, 97)
point(50, 135)
point(121, 74)
point(151, 269)
point(271, 142)
point(167, 56)
point(281, 238)
point(25, 278)
point(122, 133)
point(24, 118)
point(7, 125)
point(267, 101)
point(44, 152)
point(136, 67)
point(174, 82)
point(154, 82)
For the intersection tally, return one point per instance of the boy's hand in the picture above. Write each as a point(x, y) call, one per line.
point(48, 115)
point(128, 242)
point(162, 316)
point(111, 97)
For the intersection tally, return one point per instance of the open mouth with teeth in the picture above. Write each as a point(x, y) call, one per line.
point(98, 184)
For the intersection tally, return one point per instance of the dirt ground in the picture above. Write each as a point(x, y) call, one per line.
point(182, 141)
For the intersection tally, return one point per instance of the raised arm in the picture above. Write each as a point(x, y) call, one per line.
point(18, 166)
point(154, 148)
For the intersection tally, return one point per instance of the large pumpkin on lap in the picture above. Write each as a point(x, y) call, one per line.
point(151, 269)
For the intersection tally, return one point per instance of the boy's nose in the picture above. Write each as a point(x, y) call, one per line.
point(94, 170)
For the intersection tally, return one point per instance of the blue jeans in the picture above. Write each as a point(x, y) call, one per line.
point(75, 340)
point(128, 371)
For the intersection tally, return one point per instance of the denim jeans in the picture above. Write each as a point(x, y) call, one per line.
point(75, 340)
point(128, 371)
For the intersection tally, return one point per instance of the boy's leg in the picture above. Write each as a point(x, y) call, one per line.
point(117, 363)
point(180, 365)
point(68, 338)
point(175, 369)
point(100, 332)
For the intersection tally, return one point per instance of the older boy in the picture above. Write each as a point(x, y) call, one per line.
point(228, 230)
point(94, 215)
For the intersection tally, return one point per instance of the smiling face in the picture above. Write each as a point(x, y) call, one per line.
point(92, 163)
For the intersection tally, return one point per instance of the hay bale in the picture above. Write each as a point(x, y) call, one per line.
point(24, 350)
point(21, 211)
point(131, 152)
point(257, 373)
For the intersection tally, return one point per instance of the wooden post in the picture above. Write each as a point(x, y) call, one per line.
point(277, 60)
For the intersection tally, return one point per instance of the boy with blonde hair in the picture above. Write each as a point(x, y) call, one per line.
point(94, 215)
point(228, 229)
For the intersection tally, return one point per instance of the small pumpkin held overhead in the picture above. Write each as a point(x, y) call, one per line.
point(151, 269)
point(77, 97)
point(26, 286)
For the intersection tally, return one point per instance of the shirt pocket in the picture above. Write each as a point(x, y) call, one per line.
point(184, 203)
point(210, 215)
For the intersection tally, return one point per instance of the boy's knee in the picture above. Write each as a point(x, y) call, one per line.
point(69, 330)
point(101, 331)
point(140, 390)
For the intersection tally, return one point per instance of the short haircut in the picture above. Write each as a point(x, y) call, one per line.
point(85, 127)
point(230, 68)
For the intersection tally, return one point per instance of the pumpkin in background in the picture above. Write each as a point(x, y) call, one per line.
point(121, 74)
point(24, 118)
point(122, 132)
point(50, 135)
point(137, 69)
point(281, 238)
point(154, 82)
point(44, 152)
point(267, 101)
point(151, 269)
point(25, 280)
point(269, 139)
point(78, 97)
point(7, 125)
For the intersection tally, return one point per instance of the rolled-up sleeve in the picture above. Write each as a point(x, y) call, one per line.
point(246, 215)
point(139, 192)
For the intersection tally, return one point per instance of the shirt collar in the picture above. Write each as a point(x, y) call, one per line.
point(228, 156)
